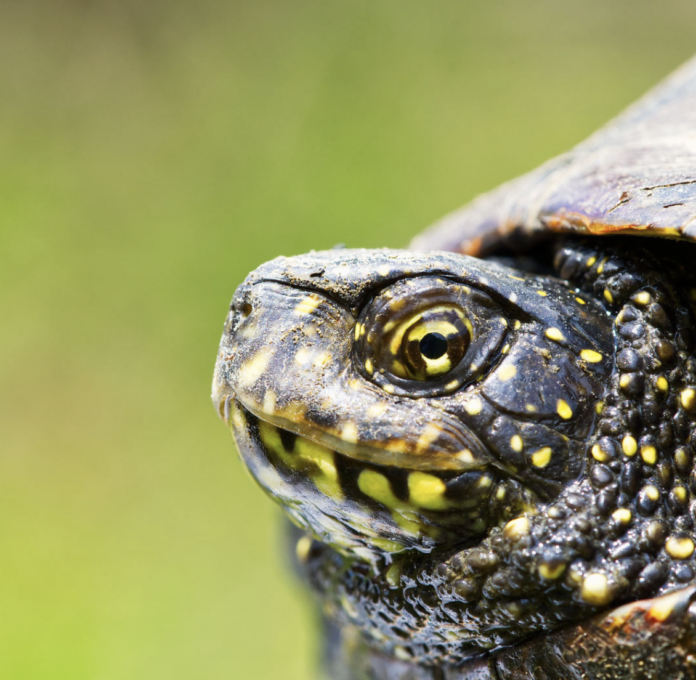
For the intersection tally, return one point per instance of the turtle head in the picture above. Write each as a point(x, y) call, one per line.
point(392, 400)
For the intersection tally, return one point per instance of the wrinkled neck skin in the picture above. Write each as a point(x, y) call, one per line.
point(544, 478)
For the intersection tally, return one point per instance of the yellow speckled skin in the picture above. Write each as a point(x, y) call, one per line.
point(479, 455)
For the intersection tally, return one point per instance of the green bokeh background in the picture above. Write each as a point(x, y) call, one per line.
point(153, 153)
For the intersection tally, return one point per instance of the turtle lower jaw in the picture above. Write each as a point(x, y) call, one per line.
point(354, 505)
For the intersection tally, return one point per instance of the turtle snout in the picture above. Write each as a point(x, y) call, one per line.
point(241, 309)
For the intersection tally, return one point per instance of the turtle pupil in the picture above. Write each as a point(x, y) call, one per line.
point(433, 345)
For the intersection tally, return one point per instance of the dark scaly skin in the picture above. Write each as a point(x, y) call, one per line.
point(417, 584)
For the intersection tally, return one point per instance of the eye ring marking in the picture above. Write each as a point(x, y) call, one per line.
point(448, 333)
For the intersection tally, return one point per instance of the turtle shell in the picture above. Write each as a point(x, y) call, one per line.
point(637, 175)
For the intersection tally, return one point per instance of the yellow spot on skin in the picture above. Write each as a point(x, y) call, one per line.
point(302, 548)
point(383, 270)
point(665, 605)
point(551, 572)
point(516, 443)
point(507, 372)
point(369, 367)
point(580, 301)
point(531, 408)
point(648, 454)
point(595, 590)
point(503, 321)
point(349, 433)
point(554, 334)
point(564, 410)
point(591, 261)
point(307, 305)
point(303, 356)
point(358, 326)
point(622, 515)
point(428, 436)
point(542, 457)
point(389, 389)
point(376, 410)
point(517, 324)
point(600, 269)
point(590, 356)
point(451, 386)
point(516, 528)
point(427, 491)
point(253, 370)
point(543, 293)
point(681, 493)
point(322, 359)
point(377, 486)
point(505, 349)
point(625, 380)
point(642, 298)
point(688, 398)
point(484, 482)
point(608, 296)
point(500, 493)
point(599, 407)
point(465, 456)
point(598, 454)
point(652, 493)
point(269, 402)
point(473, 407)
point(679, 548)
point(662, 384)
point(629, 445)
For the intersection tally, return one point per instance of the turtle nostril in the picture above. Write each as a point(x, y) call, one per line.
point(245, 309)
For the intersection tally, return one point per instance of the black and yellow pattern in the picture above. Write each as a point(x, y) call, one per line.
point(479, 451)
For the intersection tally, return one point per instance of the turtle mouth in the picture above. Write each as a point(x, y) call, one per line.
point(353, 504)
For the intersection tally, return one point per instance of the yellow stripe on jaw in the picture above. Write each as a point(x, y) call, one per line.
point(377, 487)
point(427, 491)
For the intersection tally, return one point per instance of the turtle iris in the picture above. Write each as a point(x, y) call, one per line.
point(432, 343)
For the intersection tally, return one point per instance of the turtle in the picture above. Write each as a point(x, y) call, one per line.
point(485, 442)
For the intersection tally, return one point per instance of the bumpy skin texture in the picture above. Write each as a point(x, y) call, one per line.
point(489, 462)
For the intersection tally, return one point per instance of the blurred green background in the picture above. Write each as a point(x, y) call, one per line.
point(153, 153)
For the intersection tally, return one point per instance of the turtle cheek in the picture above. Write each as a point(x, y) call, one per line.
point(535, 411)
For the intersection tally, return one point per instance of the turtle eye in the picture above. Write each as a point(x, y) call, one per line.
point(428, 336)
point(432, 344)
